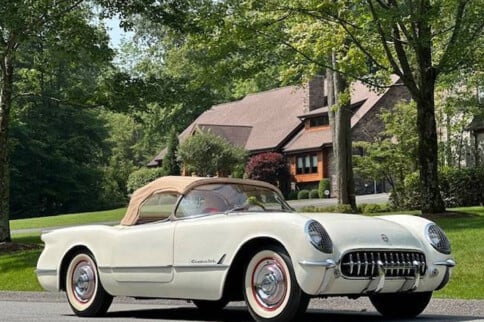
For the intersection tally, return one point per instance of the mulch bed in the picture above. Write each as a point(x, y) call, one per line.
point(15, 247)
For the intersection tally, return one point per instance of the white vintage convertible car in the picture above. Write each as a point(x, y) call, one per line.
point(215, 240)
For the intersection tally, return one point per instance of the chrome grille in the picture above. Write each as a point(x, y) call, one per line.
point(364, 264)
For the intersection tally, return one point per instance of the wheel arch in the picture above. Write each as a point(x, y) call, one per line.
point(233, 286)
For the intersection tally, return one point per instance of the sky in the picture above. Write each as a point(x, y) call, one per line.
point(116, 33)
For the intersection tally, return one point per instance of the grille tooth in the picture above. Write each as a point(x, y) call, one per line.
point(365, 256)
point(373, 264)
point(397, 264)
point(359, 264)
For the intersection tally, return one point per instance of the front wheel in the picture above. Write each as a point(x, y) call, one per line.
point(85, 293)
point(270, 287)
point(404, 305)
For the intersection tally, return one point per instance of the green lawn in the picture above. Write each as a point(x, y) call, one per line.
point(466, 235)
point(467, 240)
point(69, 220)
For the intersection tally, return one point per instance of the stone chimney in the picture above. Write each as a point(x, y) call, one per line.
point(314, 97)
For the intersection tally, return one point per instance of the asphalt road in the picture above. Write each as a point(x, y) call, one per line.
point(30, 306)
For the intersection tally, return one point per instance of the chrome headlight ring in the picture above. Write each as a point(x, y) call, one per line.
point(318, 237)
point(437, 238)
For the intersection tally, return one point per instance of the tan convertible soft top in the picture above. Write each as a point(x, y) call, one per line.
point(177, 184)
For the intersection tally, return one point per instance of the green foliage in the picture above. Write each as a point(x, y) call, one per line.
point(462, 187)
point(206, 154)
point(393, 154)
point(270, 167)
point(459, 187)
point(303, 194)
point(170, 163)
point(292, 195)
point(314, 194)
point(374, 208)
point(324, 185)
point(340, 208)
point(142, 176)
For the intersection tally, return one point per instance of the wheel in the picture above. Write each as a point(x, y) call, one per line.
point(211, 307)
point(85, 293)
point(270, 287)
point(407, 305)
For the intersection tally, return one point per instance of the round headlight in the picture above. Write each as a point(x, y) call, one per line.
point(318, 236)
point(437, 238)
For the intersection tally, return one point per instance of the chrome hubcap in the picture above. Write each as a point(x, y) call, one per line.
point(83, 281)
point(269, 283)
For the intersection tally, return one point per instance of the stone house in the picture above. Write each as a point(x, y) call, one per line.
point(293, 120)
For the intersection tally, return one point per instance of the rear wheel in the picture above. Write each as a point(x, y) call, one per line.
point(405, 305)
point(85, 293)
point(270, 287)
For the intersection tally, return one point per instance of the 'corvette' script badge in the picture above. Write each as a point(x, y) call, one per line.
point(385, 238)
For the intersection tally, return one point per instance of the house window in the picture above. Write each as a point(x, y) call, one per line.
point(319, 121)
point(307, 163)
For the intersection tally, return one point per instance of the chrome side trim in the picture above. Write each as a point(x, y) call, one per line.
point(328, 263)
point(46, 272)
point(134, 268)
point(216, 266)
point(449, 263)
point(155, 269)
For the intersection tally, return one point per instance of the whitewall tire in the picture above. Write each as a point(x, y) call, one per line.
point(270, 287)
point(84, 291)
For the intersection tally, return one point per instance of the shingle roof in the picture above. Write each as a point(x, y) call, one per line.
point(267, 120)
point(272, 116)
point(235, 134)
point(306, 140)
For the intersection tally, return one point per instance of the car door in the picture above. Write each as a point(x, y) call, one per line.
point(143, 253)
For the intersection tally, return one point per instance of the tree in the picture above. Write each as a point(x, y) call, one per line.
point(270, 167)
point(170, 163)
point(20, 22)
point(417, 40)
point(392, 156)
point(206, 154)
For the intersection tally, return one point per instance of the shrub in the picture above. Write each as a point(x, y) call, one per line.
point(314, 194)
point(324, 185)
point(142, 176)
point(269, 167)
point(371, 208)
point(292, 195)
point(462, 187)
point(303, 194)
point(333, 208)
point(459, 188)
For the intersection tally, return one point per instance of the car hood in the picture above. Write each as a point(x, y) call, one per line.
point(360, 232)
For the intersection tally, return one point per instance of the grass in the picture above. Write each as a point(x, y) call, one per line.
point(17, 270)
point(69, 220)
point(467, 239)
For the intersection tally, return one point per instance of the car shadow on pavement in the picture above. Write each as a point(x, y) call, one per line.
point(240, 314)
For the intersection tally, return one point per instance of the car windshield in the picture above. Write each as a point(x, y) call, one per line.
point(216, 198)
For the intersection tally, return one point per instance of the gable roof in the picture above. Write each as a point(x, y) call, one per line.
point(271, 120)
point(271, 115)
point(235, 134)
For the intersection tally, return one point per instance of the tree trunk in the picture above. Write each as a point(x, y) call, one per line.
point(6, 82)
point(344, 150)
point(428, 151)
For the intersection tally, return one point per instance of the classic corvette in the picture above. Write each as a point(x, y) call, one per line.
point(216, 240)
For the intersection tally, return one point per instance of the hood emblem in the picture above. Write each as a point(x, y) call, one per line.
point(385, 238)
